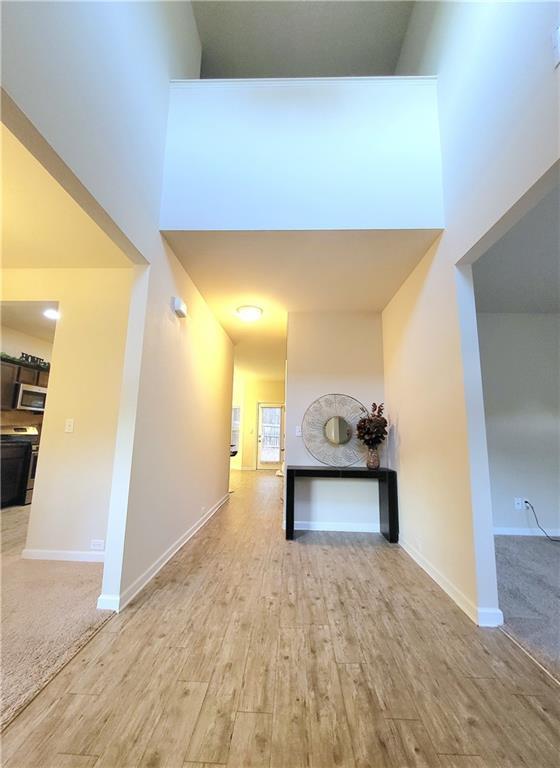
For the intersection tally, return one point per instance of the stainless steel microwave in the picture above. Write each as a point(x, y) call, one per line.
point(30, 398)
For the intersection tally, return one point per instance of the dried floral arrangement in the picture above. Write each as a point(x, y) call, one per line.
point(372, 429)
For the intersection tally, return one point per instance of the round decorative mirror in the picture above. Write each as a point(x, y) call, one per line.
point(337, 430)
point(329, 430)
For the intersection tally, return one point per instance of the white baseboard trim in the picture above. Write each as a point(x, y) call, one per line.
point(108, 603)
point(118, 602)
point(317, 525)
point(78, 556)
point(499, 531)
point(489, 617)
point(484, 617)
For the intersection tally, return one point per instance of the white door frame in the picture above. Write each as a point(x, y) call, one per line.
point(267, 464)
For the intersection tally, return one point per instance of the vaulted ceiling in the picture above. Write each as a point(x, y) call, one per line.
point(300, 39)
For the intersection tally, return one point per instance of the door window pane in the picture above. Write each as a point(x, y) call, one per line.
point(271, 421)
point(235, 427)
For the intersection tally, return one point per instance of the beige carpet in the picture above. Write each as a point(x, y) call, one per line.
point(48, 614)
point(529, 593)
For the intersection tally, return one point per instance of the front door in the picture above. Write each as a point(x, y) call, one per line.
point(270, 447)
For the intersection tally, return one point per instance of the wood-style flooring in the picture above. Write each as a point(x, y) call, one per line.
point(250, 651)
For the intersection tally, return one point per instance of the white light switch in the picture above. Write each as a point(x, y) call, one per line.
point(69, 425)
point(298, 431)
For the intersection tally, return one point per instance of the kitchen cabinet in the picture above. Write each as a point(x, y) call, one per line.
point(9, 378)
point(12, 373)
point(27, 375)
point(43, 378)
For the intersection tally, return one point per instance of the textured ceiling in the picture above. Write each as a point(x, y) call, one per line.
point(521, 272)
point(300, 39)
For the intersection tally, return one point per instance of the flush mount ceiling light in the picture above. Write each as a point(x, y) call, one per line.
point(249, 313)
point(52, 314)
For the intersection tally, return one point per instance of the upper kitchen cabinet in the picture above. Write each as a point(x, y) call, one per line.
point(27, 375)
point(43, 378)
point(12, 374)
point(8, 379)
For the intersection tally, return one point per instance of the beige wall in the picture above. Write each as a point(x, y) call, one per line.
point(182, 433)
point(332, 352)
point(73, 484)
point(497, 141)
point(172, 456)
point(249, 391)
point(425, 400)
point(14, 343)
point(521, 378)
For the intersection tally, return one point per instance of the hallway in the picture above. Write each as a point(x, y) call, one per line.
point(332, 650)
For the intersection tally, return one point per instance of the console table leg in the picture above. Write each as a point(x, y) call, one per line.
point(289, 505)
point(389, 508)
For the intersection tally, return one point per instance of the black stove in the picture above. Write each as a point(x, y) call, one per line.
point(18, 464)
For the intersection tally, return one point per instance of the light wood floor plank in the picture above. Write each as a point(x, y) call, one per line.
point(170, 739)
point(327, 725)
point(76, 761)
point(330, 650)
point(462, 761)
point(290, 738)
point(211, 738)
point(251, 741)
point(367, 727)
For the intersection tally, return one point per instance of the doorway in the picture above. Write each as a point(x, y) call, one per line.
point(516, 287)
point(270, 445)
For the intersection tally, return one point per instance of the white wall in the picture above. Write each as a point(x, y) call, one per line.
point(520, 356)
point(497, 103)
point(329, 352)
point(15, 342)
point(346, 153)
point(74, 473)
point(107, 121)
point(498, 106)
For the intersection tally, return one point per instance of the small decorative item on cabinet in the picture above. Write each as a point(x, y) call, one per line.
point(372, 431)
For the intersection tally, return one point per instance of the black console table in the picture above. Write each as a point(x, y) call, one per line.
point(388, 501)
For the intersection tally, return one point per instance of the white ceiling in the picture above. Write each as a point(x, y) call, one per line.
point(297, 271)
point(300, 39)
point(27, 317)
point(521, 272)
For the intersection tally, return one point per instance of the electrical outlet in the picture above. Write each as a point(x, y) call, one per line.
point(298, 431)
point(519, 503)
point(97, 544)
point(69, 425)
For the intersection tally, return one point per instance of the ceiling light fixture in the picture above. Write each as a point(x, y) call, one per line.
point(249, 313)
point(52, 314)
